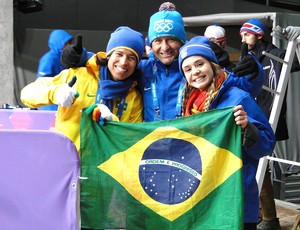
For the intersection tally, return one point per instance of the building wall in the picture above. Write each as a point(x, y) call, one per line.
point(96, 19)
point(6, 54)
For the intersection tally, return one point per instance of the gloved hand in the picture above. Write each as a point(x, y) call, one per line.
point(100, 113)
point(247, 65)
point(66, 94)
point(71, 54)
point(290, 33)
point(293, 32)
point(250, 135)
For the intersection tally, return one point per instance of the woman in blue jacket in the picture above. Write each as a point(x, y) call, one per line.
point(209, 87)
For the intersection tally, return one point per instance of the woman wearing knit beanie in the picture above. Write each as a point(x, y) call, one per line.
point(209, 87)
point(107, 83)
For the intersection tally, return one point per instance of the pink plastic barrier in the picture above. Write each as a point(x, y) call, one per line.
point(27, 119)
point(39, 174)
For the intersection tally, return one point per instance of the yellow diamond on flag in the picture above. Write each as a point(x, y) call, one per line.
point(125, 168)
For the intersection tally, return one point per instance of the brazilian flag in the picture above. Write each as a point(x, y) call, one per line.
point(180, 174)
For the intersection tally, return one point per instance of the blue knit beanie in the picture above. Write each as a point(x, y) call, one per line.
point(197, 46)
point(126, 38)
point(167, 22)
point(254, 26)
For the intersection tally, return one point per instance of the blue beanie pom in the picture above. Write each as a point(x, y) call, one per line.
point(126, 38)
point(254, 26)
point(166, 23)
point(197, 46)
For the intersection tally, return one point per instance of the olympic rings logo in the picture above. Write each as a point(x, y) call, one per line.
point(163, 27)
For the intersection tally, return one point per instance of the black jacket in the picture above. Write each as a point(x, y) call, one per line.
point(272, 71)
point(222, 57)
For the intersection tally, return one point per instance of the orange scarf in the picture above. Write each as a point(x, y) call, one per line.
point(197, 99)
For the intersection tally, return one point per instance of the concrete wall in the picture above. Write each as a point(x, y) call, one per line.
point(6, 52)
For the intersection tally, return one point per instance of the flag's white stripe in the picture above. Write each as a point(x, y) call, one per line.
point(173, 164)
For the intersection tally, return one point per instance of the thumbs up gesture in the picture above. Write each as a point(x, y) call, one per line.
point(66, 94)
point(71, 54)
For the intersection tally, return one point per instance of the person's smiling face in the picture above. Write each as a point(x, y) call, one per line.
point(198, 71)
point(121, 64)
point(166, 49)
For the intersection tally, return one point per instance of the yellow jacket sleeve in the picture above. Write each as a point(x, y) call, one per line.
point(43, 91)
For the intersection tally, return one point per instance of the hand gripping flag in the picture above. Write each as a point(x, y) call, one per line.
point(180, 174)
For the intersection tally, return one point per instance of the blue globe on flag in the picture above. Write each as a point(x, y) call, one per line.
point(170, 170)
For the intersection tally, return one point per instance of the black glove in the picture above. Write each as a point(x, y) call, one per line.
point(250, 135)
point(71, 54)
point(222, 56)
point(247, 64)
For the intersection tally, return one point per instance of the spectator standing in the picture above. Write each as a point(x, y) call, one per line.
point(49, 64)
point(216, 34)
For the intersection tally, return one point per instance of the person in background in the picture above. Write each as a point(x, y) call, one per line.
point(107, 85)
point(253, 32)
point(210, 87)
point(216, 34)
point(49, 63)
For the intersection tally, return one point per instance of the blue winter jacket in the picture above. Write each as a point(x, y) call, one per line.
point(49, 64)
point(230, 95)
point(167, 82)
